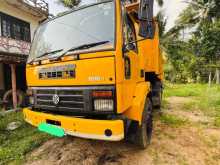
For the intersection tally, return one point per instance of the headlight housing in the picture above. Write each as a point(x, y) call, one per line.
point(104, 105)
point(30, 95)
point(31, 100)
point(103, 101)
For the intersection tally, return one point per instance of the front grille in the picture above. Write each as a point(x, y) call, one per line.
point(72, 100)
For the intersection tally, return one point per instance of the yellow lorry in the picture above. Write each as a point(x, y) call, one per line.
point(96, 72)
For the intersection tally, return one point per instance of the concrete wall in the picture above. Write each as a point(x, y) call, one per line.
point(20, 14)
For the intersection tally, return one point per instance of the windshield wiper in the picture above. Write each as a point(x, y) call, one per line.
point(47, 53)
point(82, 47)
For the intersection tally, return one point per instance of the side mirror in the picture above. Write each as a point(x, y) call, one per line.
point(145, 16)
point(129, 46)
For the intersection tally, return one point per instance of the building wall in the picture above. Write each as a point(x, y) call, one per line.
point(22, 15)
point(18, 13)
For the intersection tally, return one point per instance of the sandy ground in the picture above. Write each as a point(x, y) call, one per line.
point(193, 144)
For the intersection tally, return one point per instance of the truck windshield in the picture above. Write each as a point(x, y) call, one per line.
point(91, 24)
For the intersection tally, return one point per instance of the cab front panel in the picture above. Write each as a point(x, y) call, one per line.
point(94, 71)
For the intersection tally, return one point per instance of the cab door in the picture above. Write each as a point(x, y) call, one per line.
point(130, 61)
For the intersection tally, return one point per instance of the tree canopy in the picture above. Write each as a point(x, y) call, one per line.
point(202, 18)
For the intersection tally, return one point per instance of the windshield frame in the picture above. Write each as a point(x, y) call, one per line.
point(80, 51)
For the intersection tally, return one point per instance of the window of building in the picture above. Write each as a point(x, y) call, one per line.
point(12, 27)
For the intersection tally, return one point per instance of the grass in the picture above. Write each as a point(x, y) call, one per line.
point(204, 98)
point(14, 145)
point(172, 120)
point(183, 90)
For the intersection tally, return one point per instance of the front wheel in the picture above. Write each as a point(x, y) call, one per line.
point(144, 131)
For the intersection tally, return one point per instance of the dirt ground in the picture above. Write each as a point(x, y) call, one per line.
point(195, 143)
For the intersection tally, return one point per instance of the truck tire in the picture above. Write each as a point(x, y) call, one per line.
point(7, 98)
point(144, 131)
point(140, 135)
point(157, 94)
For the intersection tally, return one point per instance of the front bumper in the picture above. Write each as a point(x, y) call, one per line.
point(79, 127)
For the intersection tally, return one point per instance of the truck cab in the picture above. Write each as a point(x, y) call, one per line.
point(91, 74)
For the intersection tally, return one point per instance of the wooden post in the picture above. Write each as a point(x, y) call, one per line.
point(14, 88)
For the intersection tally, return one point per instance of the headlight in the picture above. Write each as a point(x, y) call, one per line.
point(103, 105)
point(31, 100)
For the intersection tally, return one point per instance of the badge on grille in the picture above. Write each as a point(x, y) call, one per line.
point(56, 99)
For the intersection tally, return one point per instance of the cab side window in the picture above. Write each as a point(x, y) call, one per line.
point(129, 32)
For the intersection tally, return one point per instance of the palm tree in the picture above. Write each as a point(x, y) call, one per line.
point(199, 11)
point(203, 15)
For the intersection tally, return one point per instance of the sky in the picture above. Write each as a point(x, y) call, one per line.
point(172, 8)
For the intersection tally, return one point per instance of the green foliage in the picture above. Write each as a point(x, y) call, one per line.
point(193, 59)
point(181, 61)
point(162, 21)
point(15, 144)
point(198, 12)
point(208, 37)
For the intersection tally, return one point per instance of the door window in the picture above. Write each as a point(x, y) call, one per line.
point(129, 32)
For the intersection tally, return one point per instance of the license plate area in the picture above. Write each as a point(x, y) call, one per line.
point(53, 122)
point(51, 129)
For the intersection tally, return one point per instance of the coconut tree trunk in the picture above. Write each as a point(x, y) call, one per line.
point(217, 76)
point(210, 79)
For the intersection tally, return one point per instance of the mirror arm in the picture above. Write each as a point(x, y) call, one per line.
point(124, 48)
point(136, 41)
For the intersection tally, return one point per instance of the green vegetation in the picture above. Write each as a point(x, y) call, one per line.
point(14, 145)
point(172, 120)
point(192, 45)
point(184, 90)
point(202, 98)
